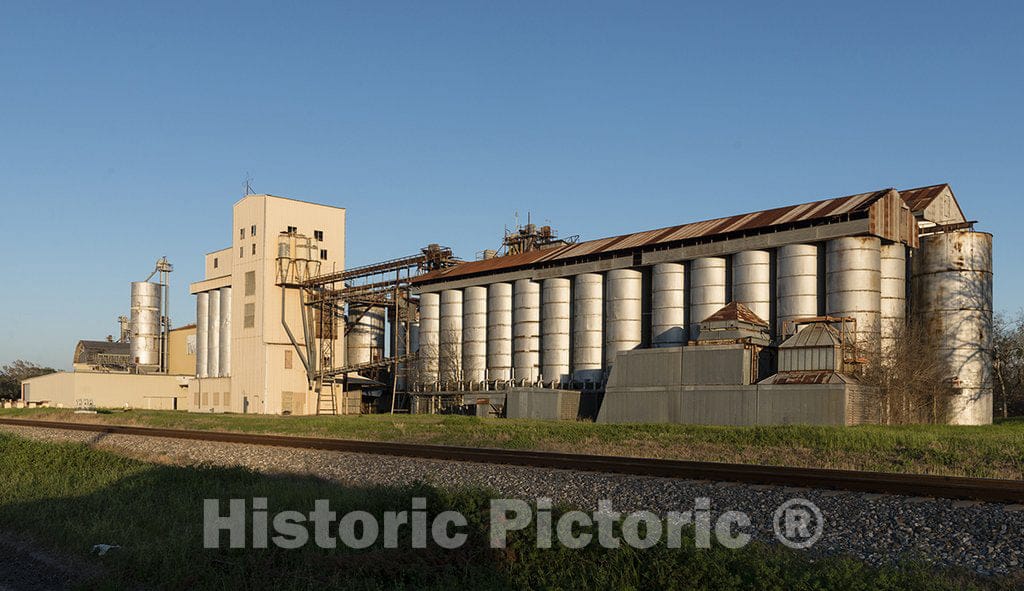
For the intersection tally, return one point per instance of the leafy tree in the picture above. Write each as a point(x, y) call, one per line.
point(12, 375)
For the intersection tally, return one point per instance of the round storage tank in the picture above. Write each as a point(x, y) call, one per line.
point(555, 330)
point(202, 324)
point(430, 318)
point(894, 292)
point(952, 298)
point(225, 331)
point(623, 312)
point(145, 324)
point(526, 330)
point(668, 305)
point(474, 333)
point(853, 286)
point(588, 306)
point(450, 338)
point(213, 336)
point(499, 331)
point(797, 284)
point(707, 290)
point(752, 282)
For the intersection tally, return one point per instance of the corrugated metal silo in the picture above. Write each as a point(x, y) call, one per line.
point(707, 289)
point(202, 320)
point(623, 311)
point(894, 292)
point(225, 331)
point(555, 302)
point(952, 297)
point(213, 336)
point(751, 281)
point(797, 283)
point(450, 337)
point(526, 330)
point(588, 304)
point(474, 333)
point(499, 331)
point(430, 327)
point(668, 305)
point(853, 286)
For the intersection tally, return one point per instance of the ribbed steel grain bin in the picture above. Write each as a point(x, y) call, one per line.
point(588, 304)
point(853, 286)
point(707, 290)
point(474, 333)
point(430, 327)
point(202, 325)
point(225, 331)
point(797, 283)
point(213, 336)
point(668, 305)
point(623, 311)
point(499, 331)
point(894, 292)
point(450, 338)
point(526, 330)
point(145, 323)
point(554, 342)
point(952, 297)
point(752, 281)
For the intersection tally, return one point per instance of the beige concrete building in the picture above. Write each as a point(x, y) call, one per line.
point(107, 390)
point(245, 360)
point(181, 349)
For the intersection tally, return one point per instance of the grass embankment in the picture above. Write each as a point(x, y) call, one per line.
point(995, 451)
point(69, 497)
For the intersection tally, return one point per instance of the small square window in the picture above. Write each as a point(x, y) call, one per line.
point(252, 231)
point(323, 255)
point(292, 229)
point(215, 261)
point(241, 232)
point(241, 251)
point(254, 248)
point(318, 235)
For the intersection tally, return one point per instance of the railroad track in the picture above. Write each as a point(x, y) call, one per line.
point(954, 487)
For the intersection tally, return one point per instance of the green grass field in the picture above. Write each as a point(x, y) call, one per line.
point(988, 451)
point(67, 497)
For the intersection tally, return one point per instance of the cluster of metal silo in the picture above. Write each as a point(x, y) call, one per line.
point(565, 329)
point(952, 299)
point(213, 333)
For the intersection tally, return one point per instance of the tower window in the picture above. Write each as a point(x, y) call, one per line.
point(323, 255)
point(215, 261)
point(241, 251)
point(250, 283)
point(254, 248)
point(241, 232)
point(252, 231)
point(318, 235)
point(249, 321)
point(292, 229)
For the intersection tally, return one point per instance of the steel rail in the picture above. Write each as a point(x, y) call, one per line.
point(923, 485)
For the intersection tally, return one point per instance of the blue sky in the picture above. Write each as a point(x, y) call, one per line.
point(127, 129)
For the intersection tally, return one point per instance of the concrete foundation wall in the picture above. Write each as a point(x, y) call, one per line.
point(108, 390)
point(819, 404)
point(540, 403)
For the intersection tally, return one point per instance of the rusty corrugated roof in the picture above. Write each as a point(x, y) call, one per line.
point(919, 198)
point(736, 311)
point(754, 221)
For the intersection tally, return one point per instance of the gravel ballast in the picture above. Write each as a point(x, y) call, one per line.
point(987, 538)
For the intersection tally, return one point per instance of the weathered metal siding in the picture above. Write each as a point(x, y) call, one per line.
point(668, 305)
point(555, 305)
point(752, 281)
point(623, 312)
point(474, 333)
point(952, 295)
point(526, 330)
point(145, 324)
point(707, 290)
point(588, 304)
point(499, 331)
point(797, 290)
point(853, 281)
